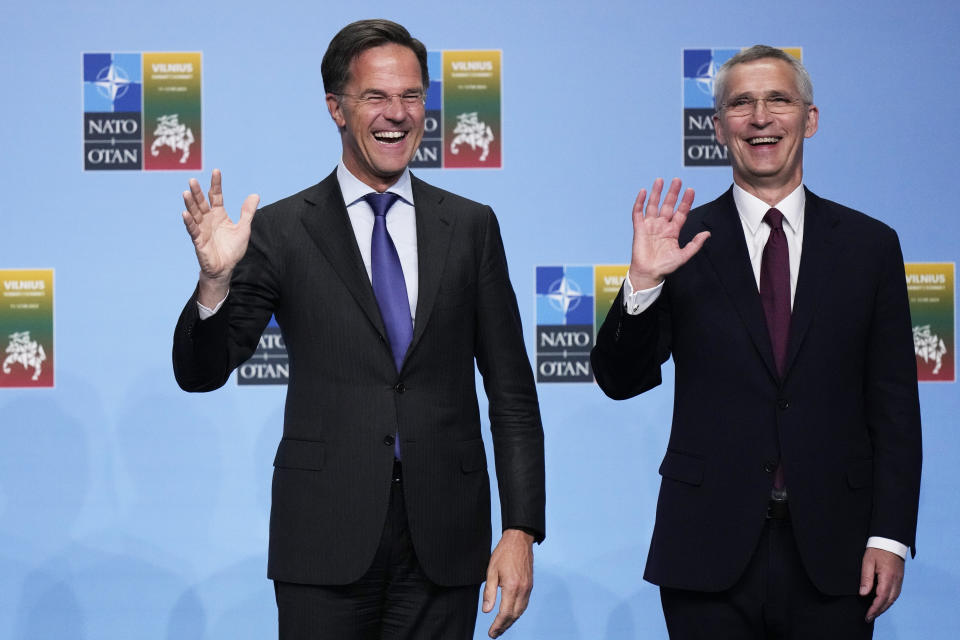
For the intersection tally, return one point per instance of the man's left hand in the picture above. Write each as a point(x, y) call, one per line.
point(511, 569)
point(886, 570)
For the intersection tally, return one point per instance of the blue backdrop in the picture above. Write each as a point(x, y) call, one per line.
point(129, 509)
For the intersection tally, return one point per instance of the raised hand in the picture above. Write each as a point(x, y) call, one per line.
point(219, 242)
point(656, 227)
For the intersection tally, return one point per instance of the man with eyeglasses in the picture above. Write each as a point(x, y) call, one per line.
point(790, 485)
point(387, 290)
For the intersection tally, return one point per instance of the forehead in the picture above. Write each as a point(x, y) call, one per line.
point(389, 67)
point(760, 77)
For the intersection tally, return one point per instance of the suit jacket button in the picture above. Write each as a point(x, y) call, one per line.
point(770, 467)
point(388, 440)
point(400, 387)
point(783, 404)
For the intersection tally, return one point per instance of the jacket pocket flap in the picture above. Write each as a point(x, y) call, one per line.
point(682, 467)
point(860, 473)
point(300, 454)
point(472, 456)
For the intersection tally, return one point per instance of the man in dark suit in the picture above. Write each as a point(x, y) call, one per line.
point(790, 484)
point(380, 525)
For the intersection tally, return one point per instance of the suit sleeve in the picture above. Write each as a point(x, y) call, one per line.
point(630, 349)
point(892, 404)
point(508, 380)
point(205, 352)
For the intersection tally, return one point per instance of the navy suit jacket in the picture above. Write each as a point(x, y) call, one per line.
point(844, 419)
point(345, 398)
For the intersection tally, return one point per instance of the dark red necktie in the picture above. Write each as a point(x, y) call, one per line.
point(775, 287)
point(775, 296)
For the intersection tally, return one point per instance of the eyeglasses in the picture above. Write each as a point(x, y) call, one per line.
point(744, 105)
point(379, 100)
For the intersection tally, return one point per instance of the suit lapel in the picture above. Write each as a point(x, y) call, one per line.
point(434, 229)
point(328, 225)
point(816, 260)
point(727, 252)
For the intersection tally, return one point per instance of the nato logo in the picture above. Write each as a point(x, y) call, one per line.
point(565, 316)
point(112, 106)
point(112, 82)
point(700, 146)
point(269, 364)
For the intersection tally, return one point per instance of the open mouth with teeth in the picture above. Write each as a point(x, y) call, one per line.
point(390, 137)
point(756, 142)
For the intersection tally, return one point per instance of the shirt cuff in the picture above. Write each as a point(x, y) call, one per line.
point(636, 302)
point(206, 312)
point(887, 544)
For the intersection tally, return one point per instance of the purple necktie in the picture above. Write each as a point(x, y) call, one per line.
point(388, 284)
point(775, 297)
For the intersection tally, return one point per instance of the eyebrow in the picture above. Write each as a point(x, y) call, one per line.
point(769, 94)
point(384, 92)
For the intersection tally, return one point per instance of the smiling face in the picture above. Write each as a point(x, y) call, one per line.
point(766, 148)
point(379, 140)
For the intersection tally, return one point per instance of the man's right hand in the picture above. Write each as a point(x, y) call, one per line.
point(656, 250)
point(219, 242)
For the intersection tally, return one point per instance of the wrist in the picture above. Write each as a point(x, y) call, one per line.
point(210, 291)
point(642, 281)
point(521, 534)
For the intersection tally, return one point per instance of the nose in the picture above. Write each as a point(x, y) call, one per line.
point(760, 113)
point(395, 109)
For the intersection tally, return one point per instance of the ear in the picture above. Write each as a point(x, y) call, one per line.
point(813, 121)
point(336, 110)
point(718, 129)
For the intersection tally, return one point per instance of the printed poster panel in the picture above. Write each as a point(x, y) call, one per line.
point(564, 312)
point(142, 111)
point(171, 111)
point(112, 112)
point(269, 364)
point(471, 109)
point(429, 154)
point(607, 281)
point(572, 302)
point(26, 327)
point(931, 288)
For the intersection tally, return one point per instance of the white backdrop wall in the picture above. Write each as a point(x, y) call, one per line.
point(129, 509)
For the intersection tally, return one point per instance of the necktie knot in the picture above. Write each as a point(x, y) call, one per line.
point(381, 202)
point(774, 218)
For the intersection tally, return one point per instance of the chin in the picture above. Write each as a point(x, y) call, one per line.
point(392, 169)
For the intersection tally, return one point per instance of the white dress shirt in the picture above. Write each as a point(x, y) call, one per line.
point(401, 225)
point(755, 232)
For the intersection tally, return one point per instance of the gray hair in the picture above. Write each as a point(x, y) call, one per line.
point(760, 52)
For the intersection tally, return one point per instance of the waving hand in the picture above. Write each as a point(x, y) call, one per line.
point(656, 227)
point(218, 241)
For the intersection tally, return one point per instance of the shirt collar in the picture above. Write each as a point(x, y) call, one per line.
point(752, 209)
point(354, 189)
